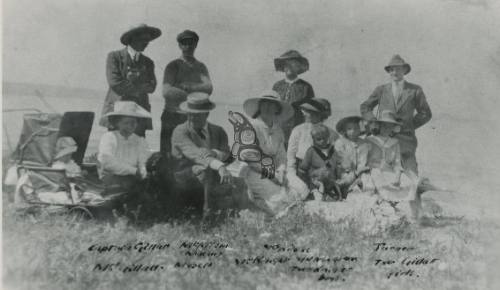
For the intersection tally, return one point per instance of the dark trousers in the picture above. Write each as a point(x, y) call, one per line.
point(169, 120)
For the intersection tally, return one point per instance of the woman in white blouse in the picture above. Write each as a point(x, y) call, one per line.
point(267, 112)
point(315, 111)
point(122, 154)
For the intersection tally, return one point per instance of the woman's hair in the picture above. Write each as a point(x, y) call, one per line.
point(263, 102)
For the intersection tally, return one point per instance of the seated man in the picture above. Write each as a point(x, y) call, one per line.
point(199, 150)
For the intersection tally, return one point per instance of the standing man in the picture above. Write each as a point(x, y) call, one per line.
point(131, 74)
point(182, 76)
point(407, 101)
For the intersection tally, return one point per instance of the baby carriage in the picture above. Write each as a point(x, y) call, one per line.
point(39, 186)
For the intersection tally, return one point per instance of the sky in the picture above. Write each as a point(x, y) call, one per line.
point(453, 46)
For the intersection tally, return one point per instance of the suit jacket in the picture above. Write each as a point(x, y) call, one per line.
point(412, 108)
point(118, 64)
point(190, 150)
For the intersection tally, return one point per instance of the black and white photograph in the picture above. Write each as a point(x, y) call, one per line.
point(288, 144)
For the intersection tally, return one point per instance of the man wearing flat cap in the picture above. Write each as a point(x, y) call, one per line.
point(131, 75)
point(199, 149)
point(182, 76)
point(409, 104)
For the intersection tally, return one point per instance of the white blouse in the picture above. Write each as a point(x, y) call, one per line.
point(122, 156)
point(271, 141)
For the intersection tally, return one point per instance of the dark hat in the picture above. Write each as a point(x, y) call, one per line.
point(197, 102)
point(139, 29)
point(188, 34)
point(279, 63)
point(340, 127)
point(321, 106)
point(397, 60)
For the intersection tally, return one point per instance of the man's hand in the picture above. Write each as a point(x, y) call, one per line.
point(225, 175)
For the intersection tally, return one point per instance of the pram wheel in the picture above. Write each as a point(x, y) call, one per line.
point(80, 213)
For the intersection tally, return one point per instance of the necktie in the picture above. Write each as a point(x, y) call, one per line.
point(201, 134)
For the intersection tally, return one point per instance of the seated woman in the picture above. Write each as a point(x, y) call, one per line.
point(352, 150)
point(315, 111)
point(270, 195)
point(387, 177)
point(122, 154)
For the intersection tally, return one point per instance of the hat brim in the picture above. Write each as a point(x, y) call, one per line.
point(408, 67)
point(279, 63)
point(128, 114)
point(152, 31)
point(309, 107)
point(66, 151)
point(340, 127)
point(251, 106)
point(183, 108)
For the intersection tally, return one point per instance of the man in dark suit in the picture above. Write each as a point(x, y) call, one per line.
point(407, 101)
point(199, 150)
point(131, 75)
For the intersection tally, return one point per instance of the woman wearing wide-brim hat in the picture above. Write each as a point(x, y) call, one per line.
point(267, 111)
point(123, 154)
point(293, 89)
point(130, 74)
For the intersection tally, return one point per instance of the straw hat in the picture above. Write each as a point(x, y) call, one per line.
point(65, 146)
point(197, 102)
point(251, 106)
point(153, 33)
point(279, 63)
point(340, 127)
point(188, 34)
point(397, 60)
point(129, 109)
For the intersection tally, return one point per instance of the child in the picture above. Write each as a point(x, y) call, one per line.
point(292, 89)
point(320, 164)
point(352, 152)
point(65, 147)
point(391, 182)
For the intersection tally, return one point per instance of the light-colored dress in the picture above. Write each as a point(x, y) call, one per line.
point(272, 196)
point(122, 156)
point(352, 156)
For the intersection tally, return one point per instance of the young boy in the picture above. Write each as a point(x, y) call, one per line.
point(352, 151)
point(320, 165)
point(292, 89)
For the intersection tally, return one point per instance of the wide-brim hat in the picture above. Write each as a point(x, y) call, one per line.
point(139, 29)
point(65, 146)
point(279, 62)
point(128, 109)
point(188, 34)
point(251, 105)
point(317, 105)
point(340, 127)
point(387, 116)
point(397, 60)
point(197, 102)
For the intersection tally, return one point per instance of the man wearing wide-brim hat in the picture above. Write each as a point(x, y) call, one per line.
point(407, 101)
point(182, 76)
point(199, 150)
point(130, 74)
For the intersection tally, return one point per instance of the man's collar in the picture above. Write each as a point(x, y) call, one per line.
point(132, 52)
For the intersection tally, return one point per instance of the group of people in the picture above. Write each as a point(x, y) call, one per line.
point(374, 151)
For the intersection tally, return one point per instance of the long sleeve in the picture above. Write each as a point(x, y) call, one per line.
point(305, 165)
point(293, 148)
point(143, 153)
point(119, 84)
point(367, 106)
point(107, 159)
point(424, 113)
point(182, 142)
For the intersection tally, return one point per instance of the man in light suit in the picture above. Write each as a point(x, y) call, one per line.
point(131, 75)
point(199, 150)
point(407, 101)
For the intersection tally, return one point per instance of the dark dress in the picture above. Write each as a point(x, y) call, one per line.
point(295, 93)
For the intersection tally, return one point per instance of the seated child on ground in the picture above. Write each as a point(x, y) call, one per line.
point(352, 150)
point(320, 165)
